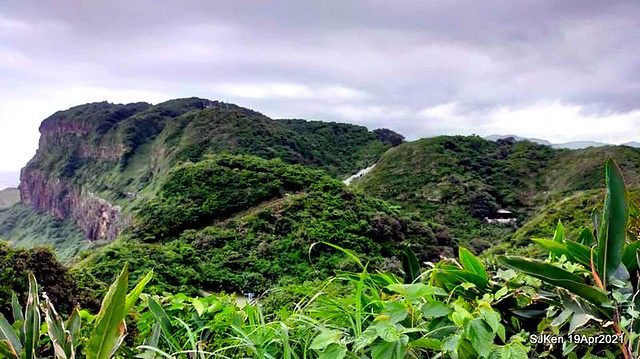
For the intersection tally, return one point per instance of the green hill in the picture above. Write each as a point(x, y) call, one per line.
point(9, 197)
point(458, 181)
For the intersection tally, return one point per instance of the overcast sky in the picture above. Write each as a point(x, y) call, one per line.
point(557, 70)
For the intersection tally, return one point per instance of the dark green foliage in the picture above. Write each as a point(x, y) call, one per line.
point(457, 181)
point(16, 263)
point(387, 136)
point(270, 243)
point(195, 195)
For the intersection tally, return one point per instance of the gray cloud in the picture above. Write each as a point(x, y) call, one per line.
point(420, 67)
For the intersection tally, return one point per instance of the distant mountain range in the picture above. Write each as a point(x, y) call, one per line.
point(9, 179)
point(574, 145)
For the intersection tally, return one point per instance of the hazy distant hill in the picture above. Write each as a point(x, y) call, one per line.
point(518, 138)
point(9, 179)
point(573, 145)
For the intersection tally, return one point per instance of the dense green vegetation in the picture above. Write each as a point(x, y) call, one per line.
point(243, 224)
point(457, 308)
point(457, 181)
point(221, 199)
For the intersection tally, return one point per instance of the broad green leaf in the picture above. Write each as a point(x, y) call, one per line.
point(480, 336)
point(7, 333)
point(163, 320)
point(365, 339)
point(454, 278)
point(427, 343)
point(578, 320)
point(410, 265)
point(109, 328)
point(133, 296)
point(555, 276)
point(387, 330)
point(435, 310)
point(471, 263)
point(56, 330)
point(325, 338)
point(573, 251)
point(558, 237)
point(554, 248)
point(613, 229)
point(416, 291)
point(73, 326)
point(199, 306)
point(18, 315)
point(16, 308)
point(333, 351)
point(32, 320)
point(396, 311)
point(580, 253)
point(388, 350)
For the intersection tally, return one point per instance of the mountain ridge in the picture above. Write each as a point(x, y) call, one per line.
point(572, 145)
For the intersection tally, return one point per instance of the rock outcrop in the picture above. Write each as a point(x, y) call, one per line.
point(96, 217)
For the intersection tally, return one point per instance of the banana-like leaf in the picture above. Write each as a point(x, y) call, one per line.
point(8, 335)
point(109, 329)
point(73, 326)
point(613, 229)
point(580, 253)
point(573, 251)
point(471, 263)
point(453, 278)
point(16, 308)
point(133, 296)
point(32, 320)
point(18, 315)
point(555, 276)
point(163, 320)
point(558, 237)
point(410, 265)
point(60, 338)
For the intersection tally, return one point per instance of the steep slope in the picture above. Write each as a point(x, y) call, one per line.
point(9, 197)
point(242, 223)
point(97, 163)
point(457, 181)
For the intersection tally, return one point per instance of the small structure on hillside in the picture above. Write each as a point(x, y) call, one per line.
point(502, 216)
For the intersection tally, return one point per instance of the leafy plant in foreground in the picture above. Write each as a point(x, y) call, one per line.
point(598, 274)
point(105, 339)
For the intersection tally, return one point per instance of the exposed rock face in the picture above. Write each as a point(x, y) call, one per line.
point(97, 218)
point(68, 140)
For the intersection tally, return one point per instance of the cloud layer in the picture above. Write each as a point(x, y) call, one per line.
point(559, 70)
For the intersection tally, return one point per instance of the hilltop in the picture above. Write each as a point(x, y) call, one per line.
point(458, 181)
point(215, 196)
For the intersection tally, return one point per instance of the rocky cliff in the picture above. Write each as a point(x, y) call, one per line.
point(94, 160)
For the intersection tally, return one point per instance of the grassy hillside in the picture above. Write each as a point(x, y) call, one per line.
point(457, 181)
point(241, 223)
point(23, 226)
point(9, 197)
